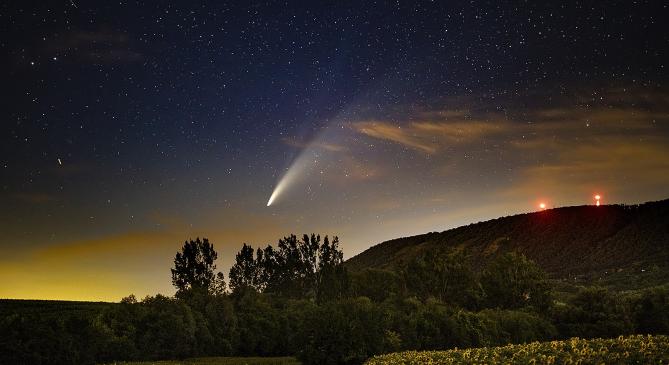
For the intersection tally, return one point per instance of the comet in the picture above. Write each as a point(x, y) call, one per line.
point(280, 187)
point(315, 156)
point(295, 171)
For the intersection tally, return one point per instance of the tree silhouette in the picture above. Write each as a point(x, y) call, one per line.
point(298, 268)
point(195, 271)
point(244, 273)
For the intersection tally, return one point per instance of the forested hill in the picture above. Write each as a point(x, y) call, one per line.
point(563, 241)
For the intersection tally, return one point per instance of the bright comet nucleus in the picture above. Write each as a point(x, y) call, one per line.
point(311, 162)
point(273, 196)
point(295, 171)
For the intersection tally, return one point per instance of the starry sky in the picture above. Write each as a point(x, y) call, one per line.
point(128, 127)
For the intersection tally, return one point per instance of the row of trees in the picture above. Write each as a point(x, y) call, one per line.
point(307, 268)
point(298, 299)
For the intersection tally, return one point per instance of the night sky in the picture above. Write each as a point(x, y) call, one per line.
point(128, 127)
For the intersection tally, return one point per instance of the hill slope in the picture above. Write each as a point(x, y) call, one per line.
point(566, 242)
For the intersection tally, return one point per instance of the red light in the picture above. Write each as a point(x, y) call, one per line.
point(542, 205)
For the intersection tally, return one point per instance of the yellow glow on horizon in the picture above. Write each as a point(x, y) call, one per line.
point(102, 269)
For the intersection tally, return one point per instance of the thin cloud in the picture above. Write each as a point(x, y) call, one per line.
point(461, 131)
point(394, 133)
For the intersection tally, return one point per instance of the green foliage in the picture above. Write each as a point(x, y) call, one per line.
point(424, 325)
point(376, 284)
point(222, 324)
point(623, 350)
point(165, 329)
point(345, 332)
point(258, 325)
point(594, 312)
point(444, 275)
point(224, 361)
point(509, 326)
point(651, 311)
point(333, 283)
point(512, 281)
point(25, 339)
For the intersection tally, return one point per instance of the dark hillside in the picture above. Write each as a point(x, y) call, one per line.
point(566, 242)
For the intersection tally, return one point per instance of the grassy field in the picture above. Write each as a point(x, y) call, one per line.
point(622, 350)
point(222, 361)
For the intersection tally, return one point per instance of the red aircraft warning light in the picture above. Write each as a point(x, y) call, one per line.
point(597, 197)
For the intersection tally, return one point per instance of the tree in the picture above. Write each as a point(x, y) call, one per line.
point(652, 311)
point(166, 329)
point(195, 271)
point(513, 281)
point(332, 280)
point(594, 312)
point(376, 284)
point(245, 272)
point(343, 332)
point(298, 268)
point(444, 275)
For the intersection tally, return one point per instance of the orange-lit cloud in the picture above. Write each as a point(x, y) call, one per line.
point(440, 130)
point(394, 133)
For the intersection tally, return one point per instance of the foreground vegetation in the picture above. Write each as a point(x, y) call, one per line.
point(298, 299)
point(222, 361)
point(626, 350)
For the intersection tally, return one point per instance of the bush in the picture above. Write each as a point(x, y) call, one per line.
point(518, 327)
point(344, 332)
point(376, 284)
point(594, 312)
point(651, 311)
point(512, 281)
